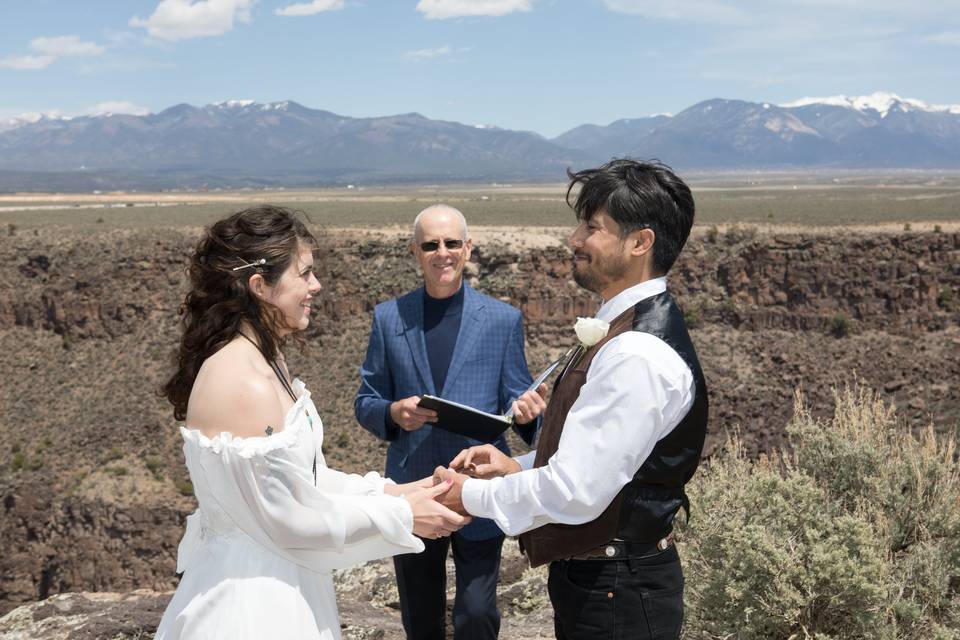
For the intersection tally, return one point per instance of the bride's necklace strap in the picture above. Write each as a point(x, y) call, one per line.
point(276, 368)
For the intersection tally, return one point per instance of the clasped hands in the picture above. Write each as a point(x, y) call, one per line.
point(483, 461)
point(436, 501)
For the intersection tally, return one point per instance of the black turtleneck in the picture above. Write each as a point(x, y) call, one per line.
point(441, 324)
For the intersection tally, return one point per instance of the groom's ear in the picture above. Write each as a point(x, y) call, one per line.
point(641, 242)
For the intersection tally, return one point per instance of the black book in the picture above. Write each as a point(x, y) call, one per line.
point(473, 423)
point(467, 421)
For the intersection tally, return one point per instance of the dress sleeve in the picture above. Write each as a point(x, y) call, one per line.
point(345, 519)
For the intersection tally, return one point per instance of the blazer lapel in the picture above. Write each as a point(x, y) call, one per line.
point(470, 324)
point(411, 313)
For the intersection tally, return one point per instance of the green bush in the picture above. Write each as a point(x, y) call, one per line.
point(840, 325)
point(945, 298)
point(185, 487)
point(853, 534)
point(112, 455)
point(21, 461)
point(691, 316)
point(154, 465)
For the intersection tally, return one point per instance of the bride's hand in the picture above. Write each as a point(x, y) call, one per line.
point(430, 518)
point(408, 487)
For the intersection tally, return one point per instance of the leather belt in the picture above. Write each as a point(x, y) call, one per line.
point(619, 549)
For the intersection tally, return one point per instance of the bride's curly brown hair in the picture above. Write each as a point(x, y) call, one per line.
point(220, 301)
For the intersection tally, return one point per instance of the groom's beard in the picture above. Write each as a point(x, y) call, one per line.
point(597, 272)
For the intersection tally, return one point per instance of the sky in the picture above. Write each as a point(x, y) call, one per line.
point(536, 65)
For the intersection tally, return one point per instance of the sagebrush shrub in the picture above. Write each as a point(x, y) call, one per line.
point(854, 533)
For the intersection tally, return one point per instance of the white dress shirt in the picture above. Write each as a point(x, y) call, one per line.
point(637, 390)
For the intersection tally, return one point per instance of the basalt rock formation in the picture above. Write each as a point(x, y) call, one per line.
point(92, 483)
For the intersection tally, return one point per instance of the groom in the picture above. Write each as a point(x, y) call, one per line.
point(447, 340)
point(624, 428)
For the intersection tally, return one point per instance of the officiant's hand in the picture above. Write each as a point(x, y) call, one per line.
point(408, 416)
point(452, 498)
point(431, 519)
point(484, 461)
point(531, 404)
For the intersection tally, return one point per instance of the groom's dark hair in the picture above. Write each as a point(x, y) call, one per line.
point(638, 195)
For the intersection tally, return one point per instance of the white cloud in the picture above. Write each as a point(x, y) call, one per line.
point(310, 8)
point(779, 12)
point(183, 19)
point(46, 51)
point(692, 11)
point(443, 9)
point(27, 62)
point(430, 54)
point(117, 108)
point(66, 47)
point(945, 37)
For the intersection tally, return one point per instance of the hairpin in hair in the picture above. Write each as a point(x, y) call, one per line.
point(255, 263)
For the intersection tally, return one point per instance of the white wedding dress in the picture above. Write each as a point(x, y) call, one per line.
point(257, 554)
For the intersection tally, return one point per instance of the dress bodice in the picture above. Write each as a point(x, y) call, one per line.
point(257, 554)
point(264, 488)
point(301, 436)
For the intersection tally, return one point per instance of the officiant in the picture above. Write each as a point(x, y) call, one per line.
point(447, 340)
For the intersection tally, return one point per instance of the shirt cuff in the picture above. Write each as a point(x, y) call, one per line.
point(526, 460)
point(471, 494)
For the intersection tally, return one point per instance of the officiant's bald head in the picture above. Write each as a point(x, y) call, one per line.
point(441, 245)
point(437, 213)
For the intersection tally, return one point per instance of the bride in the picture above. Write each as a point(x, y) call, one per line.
point(273, 519)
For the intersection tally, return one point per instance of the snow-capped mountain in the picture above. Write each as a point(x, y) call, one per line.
point(242, 141)
point(881, 101)
point(246, 142)
point(881, 130)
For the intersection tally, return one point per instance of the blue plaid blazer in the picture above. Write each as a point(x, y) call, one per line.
point(488, 371)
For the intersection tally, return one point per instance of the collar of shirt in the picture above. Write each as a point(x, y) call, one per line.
point(619, 303)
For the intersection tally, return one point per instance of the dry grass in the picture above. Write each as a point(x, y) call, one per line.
point(766, 200)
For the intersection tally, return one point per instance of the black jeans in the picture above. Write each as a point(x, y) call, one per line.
point(635, 598)
point(422, 583)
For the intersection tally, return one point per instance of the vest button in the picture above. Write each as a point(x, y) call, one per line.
point(610, 551)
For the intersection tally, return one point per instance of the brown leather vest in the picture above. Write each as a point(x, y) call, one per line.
point(644, 509)
point(554, 541)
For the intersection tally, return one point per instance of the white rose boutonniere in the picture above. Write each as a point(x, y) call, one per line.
point(590, 331)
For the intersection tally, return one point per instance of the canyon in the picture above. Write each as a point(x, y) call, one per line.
point(93, 487)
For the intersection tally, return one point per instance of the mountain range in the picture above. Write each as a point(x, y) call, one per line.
point(244, 143)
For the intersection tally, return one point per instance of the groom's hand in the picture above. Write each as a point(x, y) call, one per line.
point(451, 499)
point(484, 461)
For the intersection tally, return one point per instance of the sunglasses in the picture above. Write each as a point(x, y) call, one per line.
point(432, 245)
